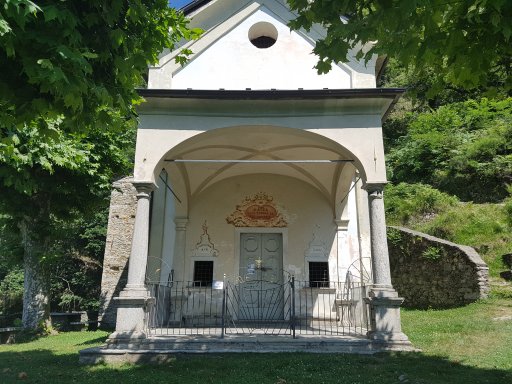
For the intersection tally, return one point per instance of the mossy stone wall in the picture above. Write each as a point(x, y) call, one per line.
point(434, 273)
point(123, 205)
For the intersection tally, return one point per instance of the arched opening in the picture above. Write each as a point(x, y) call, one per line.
point(301, 172)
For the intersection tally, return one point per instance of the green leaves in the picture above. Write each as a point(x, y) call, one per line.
point(67, 89)
point(465, 42)
point(80, 55)
point(68, 75)
point(461, 148)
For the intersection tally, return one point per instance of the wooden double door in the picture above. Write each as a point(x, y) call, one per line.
point(261, 270)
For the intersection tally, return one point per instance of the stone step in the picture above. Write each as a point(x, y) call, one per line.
point(162, 349)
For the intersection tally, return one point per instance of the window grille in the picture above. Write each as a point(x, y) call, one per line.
point(203, 273)
point(319, 274)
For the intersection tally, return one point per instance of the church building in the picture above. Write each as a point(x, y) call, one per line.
point(256, 197)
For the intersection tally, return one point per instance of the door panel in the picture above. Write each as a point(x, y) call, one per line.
point(261, 264)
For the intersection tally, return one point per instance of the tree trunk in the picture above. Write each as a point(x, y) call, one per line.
point(36, 304)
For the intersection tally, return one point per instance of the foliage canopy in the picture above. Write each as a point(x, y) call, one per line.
point(67, 121)
point(463, 42)
point(464, 149)
point(79, 59)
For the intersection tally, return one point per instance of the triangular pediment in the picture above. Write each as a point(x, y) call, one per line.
point(225, 58)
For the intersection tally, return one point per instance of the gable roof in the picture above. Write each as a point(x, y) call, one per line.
point(191, 7)
point(223, 55)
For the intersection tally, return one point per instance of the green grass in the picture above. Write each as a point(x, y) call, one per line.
point(467, 345)
point(477, 335)
point(462, 345)
point(482, 226)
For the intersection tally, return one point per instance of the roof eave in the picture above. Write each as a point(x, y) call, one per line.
point(189, 8)
point(272, 94)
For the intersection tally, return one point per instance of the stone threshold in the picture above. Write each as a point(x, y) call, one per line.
point(162, 349)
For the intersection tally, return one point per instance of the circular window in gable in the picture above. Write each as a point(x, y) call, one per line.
point(263, 35)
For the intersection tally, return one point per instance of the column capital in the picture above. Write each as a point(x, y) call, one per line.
point(181, 223)
point(144, 188)
point(375, 190)
point(341, 224)
point(374, 186)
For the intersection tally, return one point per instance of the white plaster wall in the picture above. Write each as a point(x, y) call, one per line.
point(162, 234)
point(306, 210)
point(159, 133)
point(169, 236)
point(232, 62)
point(354, 251)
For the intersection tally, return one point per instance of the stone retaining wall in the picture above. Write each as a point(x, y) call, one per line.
point(123, 205)
point(432, 272)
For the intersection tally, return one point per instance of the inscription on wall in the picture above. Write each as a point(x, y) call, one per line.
point(257, 211)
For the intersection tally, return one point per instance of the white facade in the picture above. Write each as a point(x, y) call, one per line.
point(248, 140)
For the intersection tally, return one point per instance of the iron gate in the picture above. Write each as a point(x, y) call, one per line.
point(248, 307)
point(259, 306)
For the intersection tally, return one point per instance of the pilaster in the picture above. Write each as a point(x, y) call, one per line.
point(180, 244)
point(342, 247)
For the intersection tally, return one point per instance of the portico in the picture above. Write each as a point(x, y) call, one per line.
point(259, 209)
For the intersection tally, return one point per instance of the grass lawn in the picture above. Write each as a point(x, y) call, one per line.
point(466, 345)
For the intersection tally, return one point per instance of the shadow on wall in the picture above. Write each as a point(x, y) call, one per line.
point(108, 311)
point(434, 273)
point(123, 205)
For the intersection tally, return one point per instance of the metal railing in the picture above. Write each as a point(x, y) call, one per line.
point(258, 307)
point(185, 308)
point(335, 308)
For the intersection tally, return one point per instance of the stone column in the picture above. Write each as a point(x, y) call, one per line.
point(383, 299)
point(379, 244)
point(134, 299)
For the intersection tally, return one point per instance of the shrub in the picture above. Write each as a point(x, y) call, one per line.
point(11, 296)
point(462, 148)
point(409, 203)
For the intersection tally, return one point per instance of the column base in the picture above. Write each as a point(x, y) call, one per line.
point(132, 306)
point(387, 336)
point(125, 336)
point(385, 314)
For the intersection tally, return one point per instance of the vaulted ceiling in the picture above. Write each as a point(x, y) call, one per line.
point(238, 151)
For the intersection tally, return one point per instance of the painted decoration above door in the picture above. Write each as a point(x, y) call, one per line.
point(257, 211)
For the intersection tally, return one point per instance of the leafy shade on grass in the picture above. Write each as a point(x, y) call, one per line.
point(463, 345)
point(477, 335)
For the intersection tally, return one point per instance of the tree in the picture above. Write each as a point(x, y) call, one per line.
point(78, 58)
point(463, 42)
point(67, 90)
point(48, 182)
